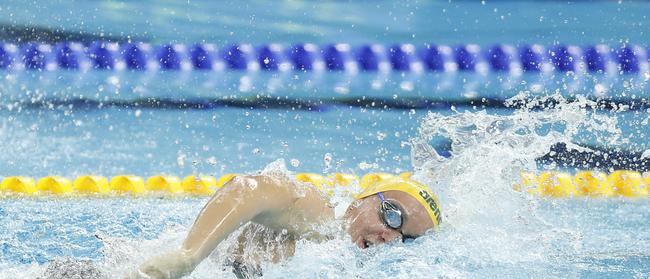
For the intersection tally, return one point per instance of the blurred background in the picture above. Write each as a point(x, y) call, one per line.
point(70, 135)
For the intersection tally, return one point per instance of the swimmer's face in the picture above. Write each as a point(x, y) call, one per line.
point(367, 228)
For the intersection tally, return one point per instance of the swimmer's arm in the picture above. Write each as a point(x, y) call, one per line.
point(238, 202)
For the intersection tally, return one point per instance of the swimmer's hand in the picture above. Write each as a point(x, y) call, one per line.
point(174, 264)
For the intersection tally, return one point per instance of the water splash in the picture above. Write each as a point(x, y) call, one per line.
point(489, 230)
point(487, 224)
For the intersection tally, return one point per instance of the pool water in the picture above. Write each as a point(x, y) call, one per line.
point(489, 230)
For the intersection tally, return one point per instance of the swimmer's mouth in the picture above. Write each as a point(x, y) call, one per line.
point(365, 244)
point(362, 243)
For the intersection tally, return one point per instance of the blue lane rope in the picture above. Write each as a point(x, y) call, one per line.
point(625, 59)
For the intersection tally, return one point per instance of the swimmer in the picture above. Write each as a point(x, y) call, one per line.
point(278, 211)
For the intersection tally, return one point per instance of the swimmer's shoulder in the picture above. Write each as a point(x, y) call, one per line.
point(282, 187)
point(303, 206)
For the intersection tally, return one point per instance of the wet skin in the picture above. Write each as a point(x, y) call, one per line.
point(366, 227)
point(279, 207)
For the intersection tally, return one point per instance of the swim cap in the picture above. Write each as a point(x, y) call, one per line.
point(416, 190)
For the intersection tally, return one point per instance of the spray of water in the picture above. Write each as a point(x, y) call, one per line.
point(489, 229)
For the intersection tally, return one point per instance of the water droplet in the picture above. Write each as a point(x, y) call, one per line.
point(251, 183)
point(180, 159)
point(364, 165)
point(327, 159)
point(212, 161)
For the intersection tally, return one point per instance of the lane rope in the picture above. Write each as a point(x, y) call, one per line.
point(624, 59)
point(549, 184)
point(620, 183)
point(200, 185)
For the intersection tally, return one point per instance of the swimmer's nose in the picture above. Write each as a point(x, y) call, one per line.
point(390, 235)
point(383, 237)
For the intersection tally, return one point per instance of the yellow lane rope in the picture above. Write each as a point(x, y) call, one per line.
point(160, 184)
point(551, 184)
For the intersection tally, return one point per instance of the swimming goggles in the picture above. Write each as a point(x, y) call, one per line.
point(390, 213)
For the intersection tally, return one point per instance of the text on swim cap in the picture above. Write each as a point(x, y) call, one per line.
point(432, 204)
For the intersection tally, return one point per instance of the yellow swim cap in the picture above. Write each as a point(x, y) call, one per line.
point(416, 190)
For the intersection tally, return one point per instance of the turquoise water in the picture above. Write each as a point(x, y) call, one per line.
point(490, 230)
point(325, 22)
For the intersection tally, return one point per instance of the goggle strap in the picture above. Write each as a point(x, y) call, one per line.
point(381, 196)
